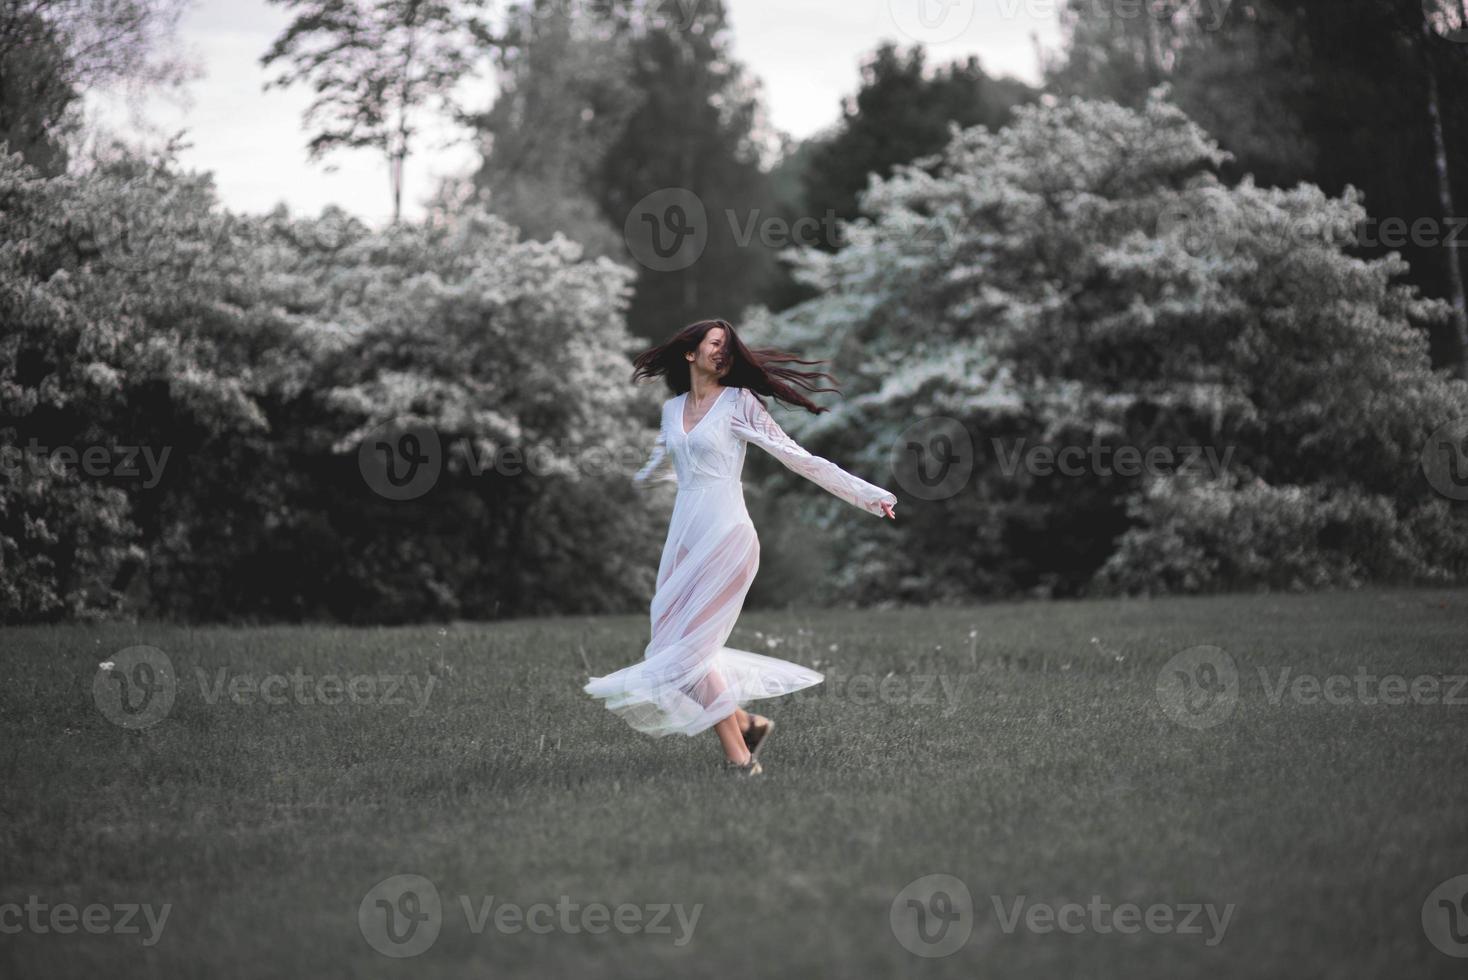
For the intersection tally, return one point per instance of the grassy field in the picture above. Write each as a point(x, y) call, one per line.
point(1026, 750)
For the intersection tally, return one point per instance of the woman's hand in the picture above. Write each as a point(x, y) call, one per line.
point(887, 510)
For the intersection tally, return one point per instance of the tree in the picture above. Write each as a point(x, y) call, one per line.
point(374, 65)
point(1451, 20)
point(1082, 281)
point(1293, 91)
point(253, 360)
point(36, 93)
point(698, 124)
point(134, 335)
point(564, 97)
point(54, 51)
point(901, 112)
point(516, 354)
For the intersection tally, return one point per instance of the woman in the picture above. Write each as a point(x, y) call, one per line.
point(688, 681)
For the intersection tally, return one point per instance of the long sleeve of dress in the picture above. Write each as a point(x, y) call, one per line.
point(650, 472)
point(752, 422)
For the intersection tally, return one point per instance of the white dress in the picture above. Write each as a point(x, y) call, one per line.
point(688, 680)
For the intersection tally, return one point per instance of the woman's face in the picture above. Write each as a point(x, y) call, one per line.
point(711, 357)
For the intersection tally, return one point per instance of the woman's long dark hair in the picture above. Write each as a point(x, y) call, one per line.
point(759, 369)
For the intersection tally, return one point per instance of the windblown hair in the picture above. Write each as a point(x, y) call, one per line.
point(760, 369)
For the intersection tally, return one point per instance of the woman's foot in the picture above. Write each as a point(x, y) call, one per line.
point(758, 731)
point(736, 753)
point(750, 768)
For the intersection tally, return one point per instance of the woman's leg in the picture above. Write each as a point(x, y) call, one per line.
point(732, 738)
point(730, 730)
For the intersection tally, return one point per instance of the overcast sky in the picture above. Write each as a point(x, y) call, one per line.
point(806, 52)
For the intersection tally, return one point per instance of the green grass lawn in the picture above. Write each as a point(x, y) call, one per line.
point(1023, 749)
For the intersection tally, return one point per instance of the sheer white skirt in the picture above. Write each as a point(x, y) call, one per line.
point(688, 680)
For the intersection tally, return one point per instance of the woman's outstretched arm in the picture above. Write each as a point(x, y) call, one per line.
point(655, 463)
point(753, 423)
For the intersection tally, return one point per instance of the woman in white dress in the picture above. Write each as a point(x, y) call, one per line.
point(688, 681)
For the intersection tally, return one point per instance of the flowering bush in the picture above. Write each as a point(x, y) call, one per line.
point(1082, 278)
point(248, 359)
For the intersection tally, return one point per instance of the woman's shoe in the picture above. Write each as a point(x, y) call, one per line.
point(757, 733)
point(750, 768)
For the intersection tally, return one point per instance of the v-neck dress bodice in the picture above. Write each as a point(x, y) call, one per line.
point(688, 680)
point(682, 408)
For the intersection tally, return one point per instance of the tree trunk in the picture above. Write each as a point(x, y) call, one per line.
point(1154, 50)
point(1445, 199)
point(396, 168)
